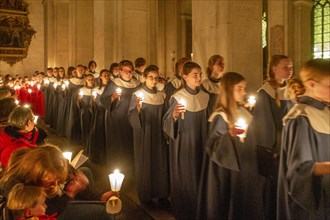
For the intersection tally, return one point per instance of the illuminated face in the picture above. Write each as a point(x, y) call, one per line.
point(61, 72)
point(321, 90)
point(55, 72)
point(50, 72)
point(126, 73)
point(90, 81)
point(283, 70)
point(239, 91)
point(79, 71)
point(151, 80)
point(92, 67)
point(105, 77)
point(40, 208)
point(218, 68)
point(194, 78)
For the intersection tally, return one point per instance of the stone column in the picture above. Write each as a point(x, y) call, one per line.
point(303, 32)
point(233, 30)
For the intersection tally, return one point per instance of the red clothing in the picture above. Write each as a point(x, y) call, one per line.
point(41, 217)
point(11, 140)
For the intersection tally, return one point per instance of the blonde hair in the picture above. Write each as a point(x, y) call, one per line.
point(20, 116)
point(295, 89)
point(31, 165)
point(23, 197)
point(226, 101)
point(274, 61)
point(315, 69)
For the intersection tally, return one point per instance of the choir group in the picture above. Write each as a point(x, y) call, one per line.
point(199, 145)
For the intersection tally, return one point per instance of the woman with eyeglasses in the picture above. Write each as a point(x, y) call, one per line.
point(116, 99)
point(150, 149)
point(20, 133)
point(65, 186)
point(185, 124)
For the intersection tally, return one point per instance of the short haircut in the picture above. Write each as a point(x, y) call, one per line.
point(19, 116)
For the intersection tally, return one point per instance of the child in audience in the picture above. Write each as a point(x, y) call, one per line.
point(28, 202)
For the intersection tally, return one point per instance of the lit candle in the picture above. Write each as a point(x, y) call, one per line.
point(141, 96)
point(116, 180)
point(38, 86)
point(192, 56)
point(36, 119)
point(46, 82)
point(67, 155)
point(184, 104)
point(81, 93)
point(29, 91)
point(94, 93)
point(63, 86)
point(55, 85)
point(26, 106)
point(251, 101)
point(66, 83)
point(241, 125)
point(17, 102)
point(118, 91)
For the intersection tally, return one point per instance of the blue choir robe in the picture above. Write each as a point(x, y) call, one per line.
point(57, 90)
point(212, 87)
point(49, 99)
point(306, 140)
point(171, 87)
point(73, 131)
point(267, 131)
point(150, 148)
point(87, 111)
point(186, 144)
point(120, 149)
point(63, 106)
point(97, 145)
point(228, 186)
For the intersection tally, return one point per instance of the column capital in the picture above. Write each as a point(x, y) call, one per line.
point(306, 3)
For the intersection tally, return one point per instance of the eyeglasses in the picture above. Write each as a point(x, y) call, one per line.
point(126, 71)
point(153, 78)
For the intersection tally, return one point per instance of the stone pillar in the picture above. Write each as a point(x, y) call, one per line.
point(303, 32)
point(233, 30)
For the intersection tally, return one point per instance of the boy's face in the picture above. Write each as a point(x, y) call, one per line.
point(40, 208)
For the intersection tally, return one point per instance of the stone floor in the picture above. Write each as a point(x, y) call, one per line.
point(132, 207)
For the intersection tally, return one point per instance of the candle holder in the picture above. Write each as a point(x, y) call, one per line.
point(114, 204)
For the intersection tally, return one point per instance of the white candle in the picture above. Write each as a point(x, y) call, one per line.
point(29, 91)
point(118, 91)
point(17, 102)
point(141, 96)
point(66, 83)
point(184, 104)
point(81, 93)
point(241, 124)
point(116, 180)
point(192, 56)
point(38, 86)
point(67, 155)
point(36, 119)
point(26, 106)
point(55, 85)
point(63, 86)
point(46, 82)
point(94, 93)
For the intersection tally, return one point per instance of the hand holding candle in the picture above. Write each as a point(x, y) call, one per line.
point(94, 93)
point(118, 92)
point(183, 104)
point(81, 94)
point(140, 98)
point(241, 128)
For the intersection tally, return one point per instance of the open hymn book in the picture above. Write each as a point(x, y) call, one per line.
point(79, 160)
